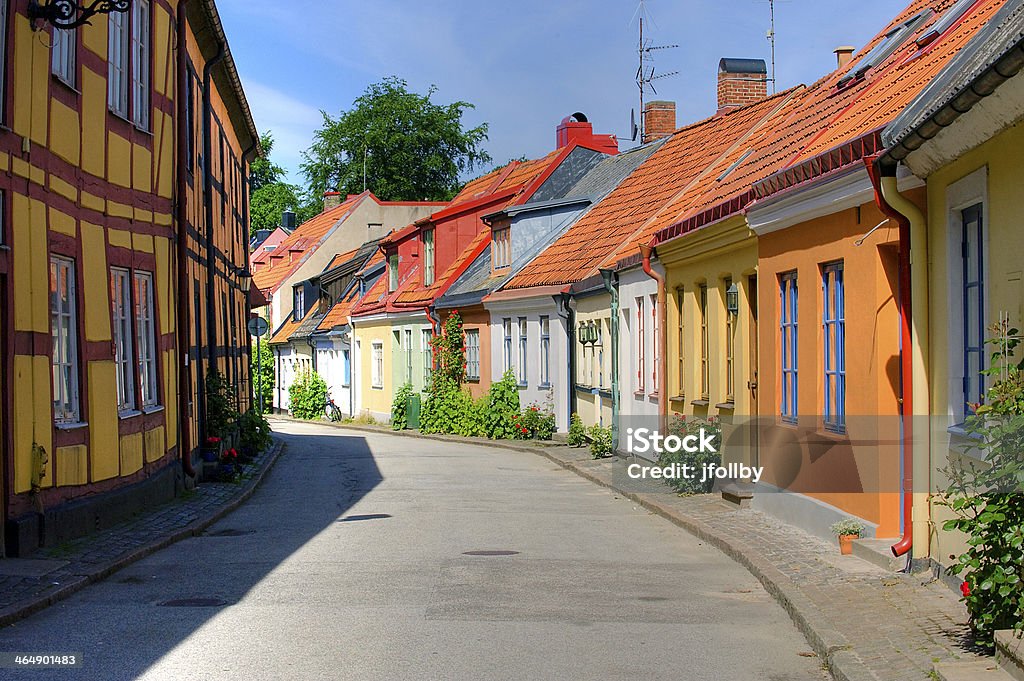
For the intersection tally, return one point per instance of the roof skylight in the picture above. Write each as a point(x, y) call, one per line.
point(883, 50)
point(950, 17)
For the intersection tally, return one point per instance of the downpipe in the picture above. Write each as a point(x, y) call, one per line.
point(184, 349)
point(565, 311)
point(211, 293)
point(646, 251)
point(611, 285)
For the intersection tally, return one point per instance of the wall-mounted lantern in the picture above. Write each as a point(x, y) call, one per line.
point(588, 333)
point(732, 299)
point(68, 14)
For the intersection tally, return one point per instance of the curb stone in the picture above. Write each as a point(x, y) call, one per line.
point(30, 606)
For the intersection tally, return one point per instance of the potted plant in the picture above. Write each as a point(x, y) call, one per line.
point(847, 530)
point(211, 449)
point(229, 464)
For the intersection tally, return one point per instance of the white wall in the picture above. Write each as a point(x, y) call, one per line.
point(634, 284)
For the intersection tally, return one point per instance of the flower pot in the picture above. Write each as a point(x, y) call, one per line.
point(210, 455)
point(846, 543)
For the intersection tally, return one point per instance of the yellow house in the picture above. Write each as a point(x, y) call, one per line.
point(90, 192)
point(372, 361)
point(964, 135)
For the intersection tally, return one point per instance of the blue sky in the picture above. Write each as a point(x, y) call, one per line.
point(524, 64)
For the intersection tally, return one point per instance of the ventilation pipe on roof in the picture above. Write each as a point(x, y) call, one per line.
point(844, 55)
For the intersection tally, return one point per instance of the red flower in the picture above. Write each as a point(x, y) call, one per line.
point(965, 589)
point(213, 439)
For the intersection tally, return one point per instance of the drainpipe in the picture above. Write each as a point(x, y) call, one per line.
point(184, 350)
point(662, 363)
point(566, 312)
point(312, 350)
point(913, 284)
point(211, 294)
point(611, 285)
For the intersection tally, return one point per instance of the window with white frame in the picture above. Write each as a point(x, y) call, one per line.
point(346, 368)
point(117, 63)
point(407, 337)
point(521, 365)
point(599, 352)
point(730, 348)
point(64, 332)
point(392, 273)
point(681, 336)
point(502, 248)
point(834, 332)
point(428, 356)
point(145, 320)
point(140, 46)
point(428, 257)
point(124, 359)
point(545, 351)
point(705, 369)
point(788, 346)
point(506, 345)
point(298, 303)
point(972, 281)
point(655, 330)
point(62, 54)
point(640, 345)
point(473, 354)
point(377, 366)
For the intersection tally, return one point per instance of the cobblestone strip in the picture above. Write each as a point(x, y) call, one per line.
point(864, 623)
point(97, 556)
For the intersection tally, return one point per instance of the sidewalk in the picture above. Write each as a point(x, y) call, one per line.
point(863, 622)
point(50, 575)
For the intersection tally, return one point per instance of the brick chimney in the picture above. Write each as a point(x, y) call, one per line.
point(741, 82)
point(331, 200)
point(844, 55)
point(576, 128)
point(659, 120)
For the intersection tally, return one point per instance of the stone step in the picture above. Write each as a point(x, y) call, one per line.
point(1010, 653)
point(971, 670)
point(877, 551)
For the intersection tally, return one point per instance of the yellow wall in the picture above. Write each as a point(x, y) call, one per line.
point(376, 401)
point(594, 363)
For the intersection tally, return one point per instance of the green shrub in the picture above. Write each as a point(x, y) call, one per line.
point(220, 405)
point(472, 416)
point(263, 379)
point(577, 431)
point(400, 407)
point(600, 442)
point(307, 395)
point(503, 408)
point(682, 426)
point(987, 501)
point(538, 421)
point(254, 431)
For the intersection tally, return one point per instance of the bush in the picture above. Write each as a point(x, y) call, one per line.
point(400, 407)
point(681, 426)
point(220, 405)
point(263, 375)
point(577, 431)
point(254, 432)
point(503, 408)
point(307, 395)
point(600, 442)
point(538, 421)
point(472, 416)
point(987, 499)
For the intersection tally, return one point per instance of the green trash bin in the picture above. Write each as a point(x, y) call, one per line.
point(412, 411)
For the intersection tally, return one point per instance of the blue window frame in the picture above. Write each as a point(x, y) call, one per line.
point(834, 327)
point(346, 368)
point(974, 306)
point(788, 345)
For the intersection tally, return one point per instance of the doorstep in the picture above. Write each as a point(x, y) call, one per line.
point(877, 551)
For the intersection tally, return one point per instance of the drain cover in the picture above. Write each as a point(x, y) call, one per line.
point(194, 603)
point(368, 516)
point(230, 532)
point(490, 553)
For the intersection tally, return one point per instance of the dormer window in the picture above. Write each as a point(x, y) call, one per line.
point(392, 273)
point(501, 248)
point(428, 257)
point(298, 303)
point(884, 49)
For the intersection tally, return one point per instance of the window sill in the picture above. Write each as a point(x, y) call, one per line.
point(677, 398)
point(639, 394)
point(834, 435)
point(544, 386)
point(128, 413)
point(71, 426)
point(731, 406)
point(701, 403)
point(66, 85)
point(376, 387)
point(522, 385)
point(153, 409)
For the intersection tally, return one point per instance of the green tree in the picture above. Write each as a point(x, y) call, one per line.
point(271, 195)
point(412, 148)
point(263, 374)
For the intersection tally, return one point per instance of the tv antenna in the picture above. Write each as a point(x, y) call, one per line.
point(771, 38)
point(645, 76)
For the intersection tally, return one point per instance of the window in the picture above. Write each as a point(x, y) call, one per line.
point(522, 351)
point(705, 373)
point(502, 248)
point(3, 57)
point(117, 63)
point(655, 329)
point(506, 325)
point(681, 331)
point(121, 313)
point(63, 55)
point(377, 366)
point(886, 47)
point(346, 368)
point(392, 273)
point(950, 17)
point(973, 283)
point(145, 320)
point(730, 351)
point(473, 354)
point(545, 351)
point(788, 345)
point(407, 336)
point(298, 303)
point(140, 63)
point(428, 356)
point(64, 332)
point(599, 350)
point(428, 257)
point(639, 345)
point(834, 327)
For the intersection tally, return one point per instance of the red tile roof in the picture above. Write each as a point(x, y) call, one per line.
point(289, 327)
point(263, 251)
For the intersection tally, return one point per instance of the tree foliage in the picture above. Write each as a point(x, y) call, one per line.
point(271, 195)
point(263, 374)
point(414, 149)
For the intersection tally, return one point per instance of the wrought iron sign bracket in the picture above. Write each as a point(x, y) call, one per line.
point(67, 14)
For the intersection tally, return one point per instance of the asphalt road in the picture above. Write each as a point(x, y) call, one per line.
point(354, 560)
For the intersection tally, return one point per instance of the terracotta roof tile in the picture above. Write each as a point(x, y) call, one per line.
point(289, 327)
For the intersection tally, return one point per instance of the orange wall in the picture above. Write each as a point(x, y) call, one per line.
point(477, 317)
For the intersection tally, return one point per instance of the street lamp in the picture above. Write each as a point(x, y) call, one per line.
point(732, 299)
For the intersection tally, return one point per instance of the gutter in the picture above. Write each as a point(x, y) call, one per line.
point(913, 298)
point(660, 362)
point(611, 285)
point(184, 366)
point(566, 312)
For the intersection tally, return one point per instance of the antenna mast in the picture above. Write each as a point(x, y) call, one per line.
point(645, 78)
point(771, 38)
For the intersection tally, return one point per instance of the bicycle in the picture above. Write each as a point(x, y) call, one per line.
point(331, 410)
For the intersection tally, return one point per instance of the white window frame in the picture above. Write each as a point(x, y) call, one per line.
point(145, 321)
point(427, 354)
point(545, 351)
point(377, 365)
point(141, 39)
point(428, 257)
point(64, 333)
point(502, 240)
point(522, 329)
point(63, 61)
point(392, 273)
point(506, 325)
point(655, 330)
point(118, 60)
point(123, 323)
point(407, 342)
point(640, 345)
point(473, 354)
